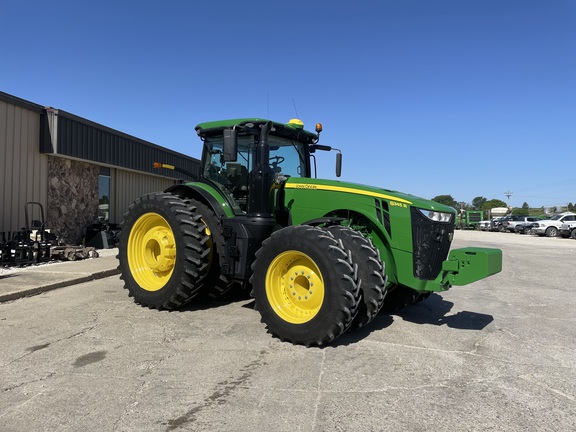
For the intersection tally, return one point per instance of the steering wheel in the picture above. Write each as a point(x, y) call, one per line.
point(275, 160)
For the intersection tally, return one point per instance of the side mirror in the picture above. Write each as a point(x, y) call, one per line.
point(338, 164)
point(230, 149)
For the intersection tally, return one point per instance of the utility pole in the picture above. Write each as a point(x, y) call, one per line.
point(508, 194)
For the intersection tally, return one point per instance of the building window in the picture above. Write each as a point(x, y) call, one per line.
point(104, 195)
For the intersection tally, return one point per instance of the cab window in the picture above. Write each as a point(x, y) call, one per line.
point(229, 177)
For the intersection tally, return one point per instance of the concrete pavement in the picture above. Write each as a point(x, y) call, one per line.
point(496, 355)
point(18, 282)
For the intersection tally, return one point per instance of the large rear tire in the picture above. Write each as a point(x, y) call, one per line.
point(163, 252)
point(216, 284)
point(304, 285)
point(371, 276)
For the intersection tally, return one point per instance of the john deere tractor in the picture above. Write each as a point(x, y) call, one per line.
point(321, 256)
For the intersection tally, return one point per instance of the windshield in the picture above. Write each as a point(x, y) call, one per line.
point(287, 158)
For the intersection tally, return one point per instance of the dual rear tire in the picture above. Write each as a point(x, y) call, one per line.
point(169, 251)
point(164, 251)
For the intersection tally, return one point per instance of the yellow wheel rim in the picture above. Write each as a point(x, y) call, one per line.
point(294, 287)
point(151, 251)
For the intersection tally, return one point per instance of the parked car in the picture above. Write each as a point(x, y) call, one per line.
point(501, 225)
point(524, 227)
point(568, 229)
point(510, 223)
point(484, 225)
point(495, 223)
point(550, 227)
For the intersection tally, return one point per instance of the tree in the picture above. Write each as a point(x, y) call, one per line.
point(447, 200)
point(478, 202)
point(522, 211)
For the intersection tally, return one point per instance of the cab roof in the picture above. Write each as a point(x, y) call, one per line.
point(294, 131)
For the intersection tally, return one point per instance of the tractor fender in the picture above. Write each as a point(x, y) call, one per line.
point(324, 221)
point(205, 193)
point(376, 233)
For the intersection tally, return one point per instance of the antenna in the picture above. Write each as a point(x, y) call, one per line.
point(267, 106)
point(508, 195)
point(295, 110)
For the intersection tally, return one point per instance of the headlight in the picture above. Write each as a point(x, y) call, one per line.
point(436, 216)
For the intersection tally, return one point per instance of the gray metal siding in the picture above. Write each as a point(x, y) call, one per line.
point(126, 186)
point(30, 134)
point(79, 138)
point(23, 170)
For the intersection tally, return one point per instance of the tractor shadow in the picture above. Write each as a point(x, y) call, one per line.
point(380, 322)
point(235, 295)
point(432, 311)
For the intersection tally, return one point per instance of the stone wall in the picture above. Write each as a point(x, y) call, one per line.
point(72, 198)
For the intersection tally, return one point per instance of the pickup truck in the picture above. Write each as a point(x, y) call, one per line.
point(550, 227)
point(510, 223)
point(568, 229)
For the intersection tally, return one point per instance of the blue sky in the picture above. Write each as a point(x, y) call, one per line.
point(430, 97)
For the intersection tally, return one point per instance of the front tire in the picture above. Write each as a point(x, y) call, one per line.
point(304, 286)
point(163, 252)
point(551, 232)
point(371, 276)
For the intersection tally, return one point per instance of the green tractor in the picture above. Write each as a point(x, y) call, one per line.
point(321, 257)
point(468, 219)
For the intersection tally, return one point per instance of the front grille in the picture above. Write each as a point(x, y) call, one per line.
point(431, 244)
point(475, 217)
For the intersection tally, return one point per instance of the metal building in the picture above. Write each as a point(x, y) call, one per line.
point(81, 172)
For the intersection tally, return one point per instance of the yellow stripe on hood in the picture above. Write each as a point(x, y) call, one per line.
point(344, 189)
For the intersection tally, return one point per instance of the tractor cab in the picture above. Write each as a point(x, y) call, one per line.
point(245, 155)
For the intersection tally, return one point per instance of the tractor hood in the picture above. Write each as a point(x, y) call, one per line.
point(360, 189)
